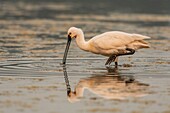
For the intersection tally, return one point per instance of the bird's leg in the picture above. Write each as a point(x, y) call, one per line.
point(110, 59)
point(114, 57)
point(116, 61)
point(131, 52)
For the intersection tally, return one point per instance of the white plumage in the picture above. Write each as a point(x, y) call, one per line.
point(112, 44)
point(115, 41)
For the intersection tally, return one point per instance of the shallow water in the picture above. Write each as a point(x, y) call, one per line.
point(32, 41)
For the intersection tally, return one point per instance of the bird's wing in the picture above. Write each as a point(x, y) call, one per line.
point(111, 40)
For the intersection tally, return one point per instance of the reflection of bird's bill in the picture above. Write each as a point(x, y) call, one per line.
point(72, 97)
point(66, 49)
point(66, 81)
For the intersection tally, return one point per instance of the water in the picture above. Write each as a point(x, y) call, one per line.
point(32, 41)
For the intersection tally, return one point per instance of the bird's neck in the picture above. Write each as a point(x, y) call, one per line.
point(80, 87)
point(82, 44)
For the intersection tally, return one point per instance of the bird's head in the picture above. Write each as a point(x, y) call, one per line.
point(73, 32)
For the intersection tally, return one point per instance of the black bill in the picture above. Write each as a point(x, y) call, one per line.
point(66, 49)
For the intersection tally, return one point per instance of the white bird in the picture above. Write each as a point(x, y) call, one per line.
point(111, 44)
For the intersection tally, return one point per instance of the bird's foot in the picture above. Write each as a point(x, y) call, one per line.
point(112, 70)
point(107, 66)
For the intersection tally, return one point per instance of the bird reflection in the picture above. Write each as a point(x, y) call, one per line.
point(107, 87)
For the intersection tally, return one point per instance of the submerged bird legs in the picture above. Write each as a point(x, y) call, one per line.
point(114, 57)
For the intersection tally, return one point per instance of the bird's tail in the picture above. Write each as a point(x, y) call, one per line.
point(139, 41)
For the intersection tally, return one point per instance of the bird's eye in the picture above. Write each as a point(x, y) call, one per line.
point(69, 34)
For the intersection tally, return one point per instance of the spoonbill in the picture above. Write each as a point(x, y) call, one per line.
point(111, 44)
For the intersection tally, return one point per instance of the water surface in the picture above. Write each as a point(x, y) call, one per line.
point(32, 41)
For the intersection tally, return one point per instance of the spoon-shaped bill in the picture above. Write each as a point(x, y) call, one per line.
point(66, 49)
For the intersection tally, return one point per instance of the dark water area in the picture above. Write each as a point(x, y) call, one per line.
point(33, 36)
point(32, 9)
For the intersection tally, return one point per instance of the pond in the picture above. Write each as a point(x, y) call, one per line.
point(33, 36)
